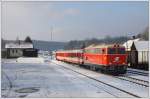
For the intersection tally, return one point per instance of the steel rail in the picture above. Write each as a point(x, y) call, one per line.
point(137, 72)
point(10, 84)
point(136, 81)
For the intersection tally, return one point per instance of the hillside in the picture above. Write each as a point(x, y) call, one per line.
point(41, 45)
point(75, 44)
point(144, 35)
point(47, 45)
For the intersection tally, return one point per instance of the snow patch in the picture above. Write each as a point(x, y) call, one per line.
point(30, 60)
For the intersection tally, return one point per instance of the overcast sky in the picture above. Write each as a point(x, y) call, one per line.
point(72, 20)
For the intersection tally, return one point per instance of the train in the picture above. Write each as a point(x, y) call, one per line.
point(105, 58)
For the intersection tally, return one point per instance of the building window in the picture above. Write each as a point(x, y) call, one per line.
point(12, 51)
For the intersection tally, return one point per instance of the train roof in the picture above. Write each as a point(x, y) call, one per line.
point(103, 46)
point(70, 51)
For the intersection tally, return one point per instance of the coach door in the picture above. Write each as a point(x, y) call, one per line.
point(103, 56)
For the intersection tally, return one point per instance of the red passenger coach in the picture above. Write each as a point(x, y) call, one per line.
point(107, 58)
point(72, 56)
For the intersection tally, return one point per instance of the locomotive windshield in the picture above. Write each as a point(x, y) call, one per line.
point(116, 50)
point(111, 51)
point(121, 50)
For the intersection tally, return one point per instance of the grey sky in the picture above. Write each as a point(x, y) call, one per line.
point(72, 20)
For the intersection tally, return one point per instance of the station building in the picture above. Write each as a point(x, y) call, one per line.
point(21, 49)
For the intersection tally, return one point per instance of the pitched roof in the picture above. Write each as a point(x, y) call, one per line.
point(17, 45)
point(140, 45)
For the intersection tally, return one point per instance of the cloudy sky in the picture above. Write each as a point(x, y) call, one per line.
point(72, 20)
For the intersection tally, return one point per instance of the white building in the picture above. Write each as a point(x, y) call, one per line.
point(15, 50)
point(138, 52)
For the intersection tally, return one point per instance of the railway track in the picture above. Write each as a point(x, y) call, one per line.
point(134, 95)
point(9, 85)
point(134, 80)
point(131, 79)
point(137, 72)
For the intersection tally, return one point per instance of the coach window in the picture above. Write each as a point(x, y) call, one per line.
point(86, 51)
point(97, 50)
point(100, 51)
point(89, 50)
point(93, 50)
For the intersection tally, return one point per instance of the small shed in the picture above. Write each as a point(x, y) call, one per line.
point(23, 49)
point(138, 53)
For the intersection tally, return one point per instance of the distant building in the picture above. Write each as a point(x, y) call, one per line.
point(21, 49)
point(138, 53)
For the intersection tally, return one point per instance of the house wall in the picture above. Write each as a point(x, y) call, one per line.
point(143, 57)
point(30, 52)
point(15, 53)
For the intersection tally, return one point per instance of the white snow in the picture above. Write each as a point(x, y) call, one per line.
point(17, 45)
point(124, 85)
point(53, 80)
point(50, 81)
point(30, 60)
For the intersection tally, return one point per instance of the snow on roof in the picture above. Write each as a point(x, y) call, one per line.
point(129, 43)
point(140, 45)
point(17, 45)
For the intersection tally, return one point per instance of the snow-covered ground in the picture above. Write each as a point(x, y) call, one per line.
point(30, 60)
point(47, 79)
point(124, 85)
point(145, 78)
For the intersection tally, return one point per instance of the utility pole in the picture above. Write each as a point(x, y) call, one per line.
point(127, 41)
point(51, 40)
point(51, 32)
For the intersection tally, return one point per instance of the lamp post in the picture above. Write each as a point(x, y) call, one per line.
point(128, 35)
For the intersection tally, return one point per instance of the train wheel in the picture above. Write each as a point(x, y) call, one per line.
point(92, 68)
point(102, 70)
point(96, 69)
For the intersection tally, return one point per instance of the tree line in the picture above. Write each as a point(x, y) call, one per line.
point(78, 44)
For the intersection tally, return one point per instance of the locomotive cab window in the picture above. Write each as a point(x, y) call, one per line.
point(111, 51)
point(121, 50)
